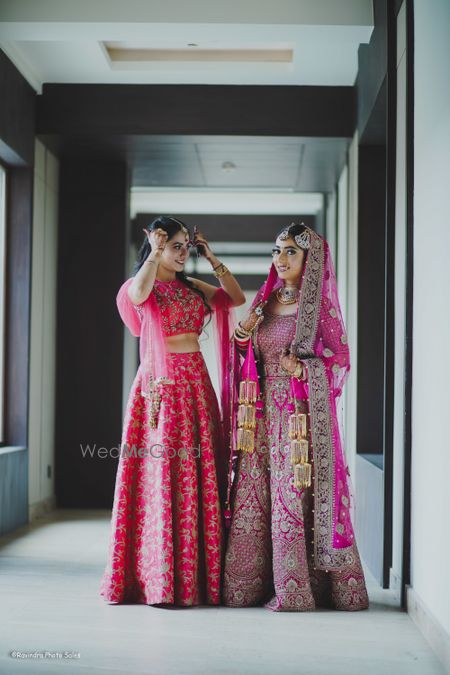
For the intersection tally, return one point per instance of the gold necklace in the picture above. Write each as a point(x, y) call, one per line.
point(287, 295)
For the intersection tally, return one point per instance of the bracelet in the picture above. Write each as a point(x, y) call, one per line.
point(217, 266)
point(150, 261)
point(241, 338)
point(241, 341)
point(221, 272)
point(243, 331)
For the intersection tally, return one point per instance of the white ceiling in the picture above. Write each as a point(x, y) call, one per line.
point(63, 40)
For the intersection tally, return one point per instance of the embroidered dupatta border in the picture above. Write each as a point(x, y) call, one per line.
point(326, 557)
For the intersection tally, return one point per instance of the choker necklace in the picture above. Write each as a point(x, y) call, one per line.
point(287, 295)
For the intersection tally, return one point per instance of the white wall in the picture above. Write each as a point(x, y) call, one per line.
point(130, 343)
point(330, 223)
point(400, 309)
point(43, 332)
point(431, 327)
point(341, 257)
point(351, 302)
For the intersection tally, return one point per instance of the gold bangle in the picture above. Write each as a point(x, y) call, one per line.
point(242, 330)
point(241, 338)
point(221, 271)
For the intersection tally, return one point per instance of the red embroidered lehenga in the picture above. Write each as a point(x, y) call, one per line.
point(166, 540)
point(292, 548)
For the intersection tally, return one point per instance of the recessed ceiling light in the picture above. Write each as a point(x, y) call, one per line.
point(124, 55)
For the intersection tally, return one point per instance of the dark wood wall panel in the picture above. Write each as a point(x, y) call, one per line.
point(372, 68)
point(13, 489)
point(102, 110)
point(18, 307)
point(93, 214)
point(17, 124)
point(371, 290)
point(17, 115)
point(223, 227)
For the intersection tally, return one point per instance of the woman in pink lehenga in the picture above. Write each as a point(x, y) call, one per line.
point(291, 544)
point(166, 542)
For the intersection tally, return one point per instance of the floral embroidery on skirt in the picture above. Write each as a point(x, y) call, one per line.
point(166, 539)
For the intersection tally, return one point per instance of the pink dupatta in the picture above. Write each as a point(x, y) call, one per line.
point(321, 343)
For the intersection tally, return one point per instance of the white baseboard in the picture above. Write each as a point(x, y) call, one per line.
point(40, 509)
point(395, 584)
point(429, 626)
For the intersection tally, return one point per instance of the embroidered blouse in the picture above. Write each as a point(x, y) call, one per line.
point(182, 309)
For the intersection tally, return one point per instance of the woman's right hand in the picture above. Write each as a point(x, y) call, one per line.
point(157, 238)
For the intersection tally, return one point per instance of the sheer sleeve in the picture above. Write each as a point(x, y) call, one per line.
point(130, 313)
point(220, 300)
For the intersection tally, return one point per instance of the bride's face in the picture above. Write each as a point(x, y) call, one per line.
point(288, 259)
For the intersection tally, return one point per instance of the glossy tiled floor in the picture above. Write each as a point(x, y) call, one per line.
point(49, 580)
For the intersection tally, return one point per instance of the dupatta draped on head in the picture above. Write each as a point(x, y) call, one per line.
point(321, 343)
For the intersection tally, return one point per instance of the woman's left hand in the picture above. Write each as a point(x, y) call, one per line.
point(202, 244)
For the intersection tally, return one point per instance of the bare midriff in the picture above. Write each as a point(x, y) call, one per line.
point(182, 343)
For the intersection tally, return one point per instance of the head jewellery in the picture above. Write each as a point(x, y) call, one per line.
point(302, 240)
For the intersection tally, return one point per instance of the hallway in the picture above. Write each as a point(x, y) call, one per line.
point(50, 572)
point(237, 119)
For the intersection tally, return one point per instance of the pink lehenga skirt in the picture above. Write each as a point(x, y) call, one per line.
point(166, 539)
point(269, 558)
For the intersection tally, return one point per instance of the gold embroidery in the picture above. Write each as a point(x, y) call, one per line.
point(326, 556)
point(309, 300)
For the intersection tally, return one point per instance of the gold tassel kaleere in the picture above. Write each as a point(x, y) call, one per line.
point(246, 416)
point(297, 431)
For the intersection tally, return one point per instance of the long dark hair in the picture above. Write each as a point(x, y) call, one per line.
point(171, 226)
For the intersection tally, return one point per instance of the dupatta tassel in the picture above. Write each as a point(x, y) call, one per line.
point(155, 403)
point(154, 397)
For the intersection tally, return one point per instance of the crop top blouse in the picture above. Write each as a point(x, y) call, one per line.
point(182, 309)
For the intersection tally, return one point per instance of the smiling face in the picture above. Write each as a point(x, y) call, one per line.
point(288, 259)
point(176, 252)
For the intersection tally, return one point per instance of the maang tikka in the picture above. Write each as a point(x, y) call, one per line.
point(302, 240)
